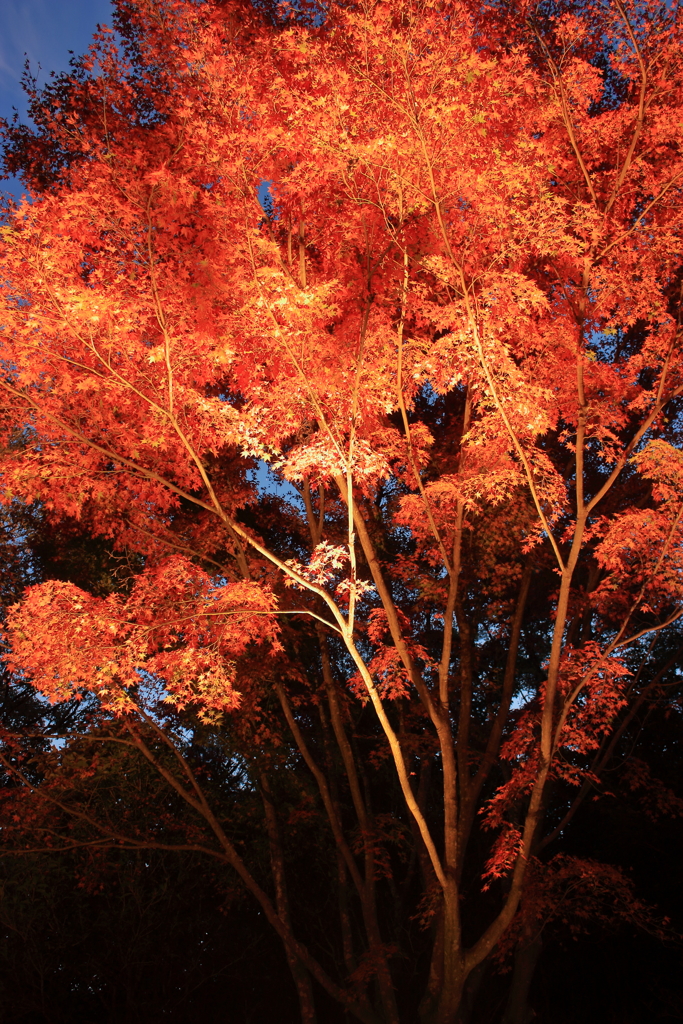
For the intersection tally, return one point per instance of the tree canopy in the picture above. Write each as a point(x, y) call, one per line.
point(344, 343)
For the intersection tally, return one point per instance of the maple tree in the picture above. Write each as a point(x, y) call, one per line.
point(452, 327)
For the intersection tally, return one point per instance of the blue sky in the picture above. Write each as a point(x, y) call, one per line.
point(44, 31)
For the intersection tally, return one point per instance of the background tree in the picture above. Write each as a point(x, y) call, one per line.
point(454, 328)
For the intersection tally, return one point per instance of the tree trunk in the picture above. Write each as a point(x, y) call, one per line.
point(429, 1000)
point(302, 978)
point(471, 990)
point(518, 1010)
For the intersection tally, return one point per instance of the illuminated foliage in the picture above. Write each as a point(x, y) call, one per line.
point(450, 340)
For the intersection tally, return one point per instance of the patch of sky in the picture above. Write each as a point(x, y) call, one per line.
point(266, 200)
point(428, 394)
point(152, 694)
point(46, 35)
point(403, 534)
point(312, 14)
point(522, 698)
point(269, 482)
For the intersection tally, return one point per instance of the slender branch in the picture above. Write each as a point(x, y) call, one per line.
point(495, 736)
point(118, 844)
point(615, 643)
point(177, 547)
point(620, 238)
point(404, 417)
point(389, 607)
point(651, 629)
point(399, 762)
point(566, 113)
point(279, 334)
point(521, 454)
point(323, 787)
point(158, 308)
point(603, 755)
point(149, 474)
point(631, 446)
point(640, 117)
point(245, 612)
